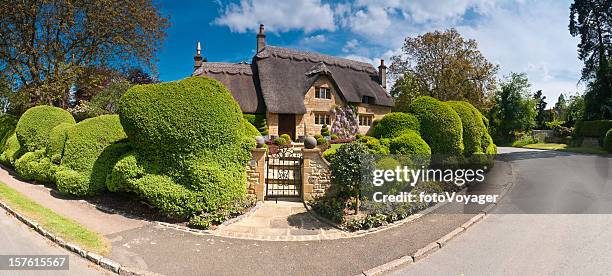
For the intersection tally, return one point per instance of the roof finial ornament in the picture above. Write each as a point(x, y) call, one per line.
point(198, 49)
point(198, 57)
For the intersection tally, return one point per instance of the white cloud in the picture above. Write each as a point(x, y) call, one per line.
point(278, 16)
point(315, 39)
point(350, 45)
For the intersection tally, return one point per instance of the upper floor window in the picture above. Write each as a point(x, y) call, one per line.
point(367, 100)
point(322, 93)
point(365, 119)
point(322, 119)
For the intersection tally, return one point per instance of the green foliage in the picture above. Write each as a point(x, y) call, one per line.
point(334, 136)
point(286, 137)
point(514, 111)
point(596, 129)
point(409, 142)
point(36, 123)
point(107, 99)
point(473, 125)
point(405, 90)
point(325, 130)
point(35, 166)
point(281, 141)
point(85, 144)
point(347, 169)
point(201, 166)
point(250, 130)
point(7, 128)
point(395, 123)
point(329, 154)
point(259, 121)
point(320, 139)
point(373, 145)
point(608, 141)
point(11, 151)
point(57, 142)
point(440, 126)
point(540, 105)
point(524, 140)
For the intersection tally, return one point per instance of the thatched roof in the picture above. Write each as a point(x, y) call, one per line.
point(240, 80)
point(280, 77)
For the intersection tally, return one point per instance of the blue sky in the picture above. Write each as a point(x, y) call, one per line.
point(520, 35)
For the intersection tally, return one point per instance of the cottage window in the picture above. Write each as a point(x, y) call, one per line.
point(322, 119)
point(322, 93)
point(365, 120)
point(367, 100)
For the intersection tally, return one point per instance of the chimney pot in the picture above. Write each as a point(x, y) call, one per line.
point(198, 59)
point(261, 38)
point(382, 74)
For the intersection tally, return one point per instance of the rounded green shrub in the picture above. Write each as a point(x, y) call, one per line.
point(250, 130)
point(35, 166)
point(36, 123)
point(409, 142)
point(286, 137)
point(439, 124)
point(473, 126)
point(12, 150)
point(7, 127)
point(373, 145)
point(85, 144)
point(608, 141)
point(329, 154)
point(57, 141)
point(395, 123)
point(189, 146)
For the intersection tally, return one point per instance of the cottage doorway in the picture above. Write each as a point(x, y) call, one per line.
point(286, 125)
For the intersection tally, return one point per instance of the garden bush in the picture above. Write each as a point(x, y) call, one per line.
point(286, 137)
point(259, 121)
point(329, 154)
point(85, 143)
point(325, 131)
point(35, 166)
point(7, 127)
point(440, 126)
point(373, 145)
point(608, 141)
point(12, 150)
point(349, 170)
point(320, 139)
point(409, 142)
point(250, 130)
point(473, 126)
point(596, 129)
point(183, 132)
point(36, 123)
point(57, 141)
point(395, 123)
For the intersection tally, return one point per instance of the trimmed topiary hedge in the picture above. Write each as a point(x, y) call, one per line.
point(11, 151)
point(36, 166)
point(85, 143)
point(373, 145)
point(57, 141)
point(250, 130)
point(409, 142)
point(440, 125)
point(201, 165)
point(608, 141)
point(473, 125)
point(595, 129)
point(258, 121)
point(394, 124)
point(36, 123)
point(7, 127)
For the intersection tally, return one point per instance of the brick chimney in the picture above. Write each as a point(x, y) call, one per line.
point(382, 74)
point(261, 38)
point(198, 57)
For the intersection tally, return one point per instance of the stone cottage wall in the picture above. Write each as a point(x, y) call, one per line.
point(316, 174)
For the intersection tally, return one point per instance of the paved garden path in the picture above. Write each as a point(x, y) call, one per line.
point(78, 210)
point(280, 221)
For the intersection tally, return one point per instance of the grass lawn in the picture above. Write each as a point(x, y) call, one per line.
point(67, 229)
point(564, 147)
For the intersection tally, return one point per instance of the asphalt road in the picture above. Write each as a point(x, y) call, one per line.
point(555, 221)
point(16, 238)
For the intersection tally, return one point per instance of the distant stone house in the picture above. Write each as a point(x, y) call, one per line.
point(297, 90)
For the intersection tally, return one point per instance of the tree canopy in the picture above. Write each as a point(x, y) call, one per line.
point(46, 45)
point(515, 109)
point(446, 66)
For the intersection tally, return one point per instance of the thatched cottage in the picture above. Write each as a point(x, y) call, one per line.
point(297, 90)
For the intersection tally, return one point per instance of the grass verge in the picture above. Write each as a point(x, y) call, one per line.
point(67, 229)
point(564, 147)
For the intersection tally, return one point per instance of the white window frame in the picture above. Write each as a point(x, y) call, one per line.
point(326, 93)
point(318, 116)
point(367, 118)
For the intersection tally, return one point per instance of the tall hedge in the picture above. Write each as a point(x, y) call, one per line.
point(608, 141)
point(81, 172)
point(7, 127)
point(36, 123)
point(439, 124)
point(409, 142)
point(57, 141)
point(395, 123)
point(191, 134)
point(594, 129)
point(11, 151)
point(473, 125)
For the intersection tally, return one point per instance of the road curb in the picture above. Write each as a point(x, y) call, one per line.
point(101, 261)
point(441, 242)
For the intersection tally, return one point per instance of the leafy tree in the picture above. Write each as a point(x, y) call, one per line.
point(447, 67)
point(575, 110)
point(515, 110)
point(137, 75)
point(540, 109)
point(351, 171)
point(405, 90)
point(592, 21)
point(46, 45)
point(560, 108)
